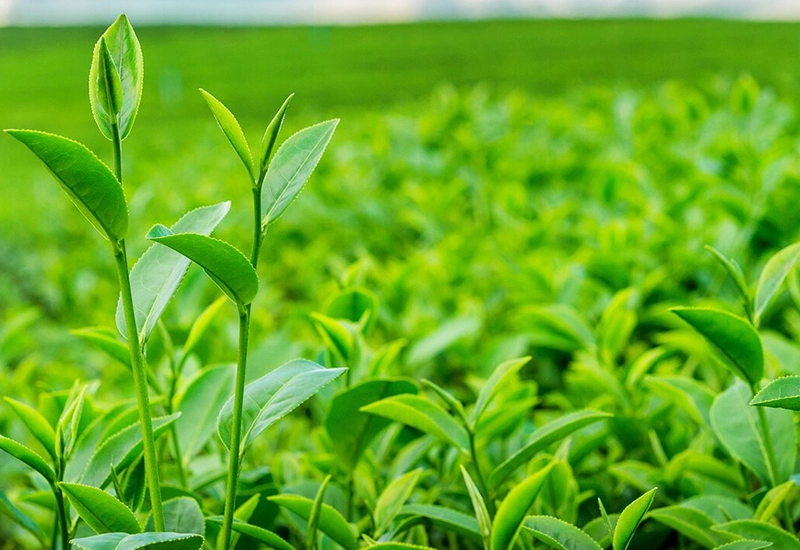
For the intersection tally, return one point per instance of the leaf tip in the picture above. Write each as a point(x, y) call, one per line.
point(158, 231)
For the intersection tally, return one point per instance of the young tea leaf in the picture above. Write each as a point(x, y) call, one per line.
point(487, 393)
point(126, 57)
point(273, 396)
point(36, 424)
point(101, 511)
point(230, 127)
point(735, 272)
point(158, 273)
point(181, 514)
point(90, 184)
point(140, 541)
point(107, 86)
point(392, 499)
point(256, 533)
point(291, 167)
point(782, 393)
point(772, 277)
point(445, 518)
point(20, 518)
point(271, 136)
point(630, 518)
point(512, 511)
point(24, 454)
point(331, 522)
point(199, 406)
point(750, 529)
point(734, 339)
point(559, 534)
point(479, 506)
point(225, 265)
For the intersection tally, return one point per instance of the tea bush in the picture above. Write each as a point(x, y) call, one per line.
point(526, 322)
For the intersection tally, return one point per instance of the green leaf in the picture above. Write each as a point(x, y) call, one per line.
point(20, 518)
point(745, 545)
point(257, 533)
point(101, 511)
point(141, 541)
point(225, 265)
point(489, 389)
point(773, 500)
point(392, 499)
point(734, 339)
point(158, 273)
point(630, 518)
point(182, 515)
point(336, 337)
point(559, 534)
point(544, 437)
point(424, 415)
point(782, 393)
point(331, 522)
point(90, 184)
point(356, 305)
point(444, 518)
point(313, 518)
point(119, 451)
point(200, 328)
point(126, 55)
point(36, 424)
point(689, 395)
point(273, 396)
point(735, 272)
point(512, 511)
point(351, 430)
point(105, 339)
point(271, 136)
point(291, 167)
point(230, 127)
point(479, 506)
point(24, 454)
point(200, 405)
point(108, 86)
point(750, 529)
point(772, 277)
point(736, 424)
point(690, 522)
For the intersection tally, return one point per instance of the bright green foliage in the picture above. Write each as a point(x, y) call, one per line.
point(182, 514)
point(140, 541)
point(24, 454)
point(782, 393)
point(101, 511)
point(90, 184)
point(749, 529)
point(39, 427)
point(559, 534)
point(331, 521)
point(775, 272)
point(630, 518)
point(273, 396)
point(450, 520)
point(205, 394)
point(230, 127)
point(271, 136)
point(510, 515)
point(479, 507)
point(732, 337)
point(256, 533)
point(393, 497)
point(225, 265)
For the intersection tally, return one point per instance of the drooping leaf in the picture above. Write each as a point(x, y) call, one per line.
point(544, 437)
point(424, 415)
point(690, 522)
point(630, 518)
point(736, 424)
point(225, 265)
point(445, 518)
point(119, 451)
point(392, 499)
point(772, 277)
point(141, 541)
point(158, 273)
point(512, 511)
point(126, 54)
point(559, 534)
point(351, 430)
point(271, 135)
point(90, 184)
point(331, 522)
point(24, 454)
point(782, 393)
point(230, 127)
point(291, 167)
point(273, 396)
point(750, 529)
point(39, 427)
point(257, 533)
point(199, 405)
point(734, 339)
point(101, 511)
point(487, 393)
point(479, 506)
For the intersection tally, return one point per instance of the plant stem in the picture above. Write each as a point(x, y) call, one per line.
point(62, 518)
point(140, 386)
point(479, 475)
point(258, 232)
point(236, 429)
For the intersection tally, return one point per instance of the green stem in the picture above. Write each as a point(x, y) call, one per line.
point(350, 495)
point(258, 232)
point(140, 386)
point(62, 518)
point(117, 150)
point(479, 475)
point(236, 430)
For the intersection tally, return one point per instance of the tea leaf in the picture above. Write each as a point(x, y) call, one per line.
point(273, 396)
point(512, 511)
point(90, 184)
point(24, 454)
point(351, 430)
point(199, 405)
point(445, 518)
point(559, 534)
point(392, 499)
point(751, 529)
point(736, 425)
point(126, 55)
point(225, 265)
point(630, 518)
point(745, 545)
point(356, 305)
point(36, 424)
point(733, 338)
point(544, 437)
point(140, 541)
point(331, 522)
point(181, 514)
point(200, 328)
point(271, 136)
point(488, 391)
point(107, 86)
point(101, 511)
point(690, 522)
point(336, 337)
point(106, 340)
point(230, 127)
point(735, 272)
point(291, 167)
point(479, 506)
point(158, 273)
point(424, 415)
point(782, 393)
point(313, 518)
point(257, 533)
point(20, 518)
point(772, 277)
point(772, 501)
point(107, 541)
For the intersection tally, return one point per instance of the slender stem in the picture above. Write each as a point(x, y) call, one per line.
point(350, 495)
point(479, 475)
point(772, 461)
point(62, 517)
point(140, 386)
point(236, 430)
point(258, 233)
point(117, 150)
